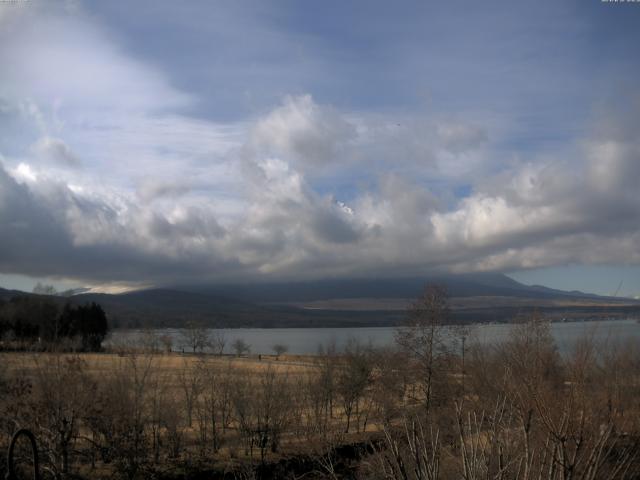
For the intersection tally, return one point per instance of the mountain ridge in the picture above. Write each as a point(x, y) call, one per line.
point(474, 298)
point(457, 285)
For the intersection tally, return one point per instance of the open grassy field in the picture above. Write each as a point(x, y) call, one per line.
point(365, 413)
point(216, 411)
point(167, 363)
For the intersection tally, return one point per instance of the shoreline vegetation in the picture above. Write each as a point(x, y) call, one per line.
point(427, 408)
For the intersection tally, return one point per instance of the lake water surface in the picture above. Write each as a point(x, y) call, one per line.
point(307, 340)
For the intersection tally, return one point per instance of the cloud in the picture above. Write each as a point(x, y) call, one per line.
point(73, 60)
point(48, 229)
point(306, 189)
point(330, 222)
point(56, 150)
point(580, 209)
point(153, 189)
point(303, 132)
point(459, 137)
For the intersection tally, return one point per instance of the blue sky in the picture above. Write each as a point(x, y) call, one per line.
point(151, 142)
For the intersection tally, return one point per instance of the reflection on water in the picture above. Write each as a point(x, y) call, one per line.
point(307, 340)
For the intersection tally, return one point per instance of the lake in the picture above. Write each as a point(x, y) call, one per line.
point(306, 340)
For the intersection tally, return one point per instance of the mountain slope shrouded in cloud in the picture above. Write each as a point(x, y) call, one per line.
point(467, 285)
point(345, 303)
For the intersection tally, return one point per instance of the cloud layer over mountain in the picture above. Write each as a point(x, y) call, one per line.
point(109, 173)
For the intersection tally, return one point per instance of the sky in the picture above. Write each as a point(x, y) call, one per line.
point(164, 143)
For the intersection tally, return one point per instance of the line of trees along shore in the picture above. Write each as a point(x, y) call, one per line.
point(427, 409)
point(35, 322)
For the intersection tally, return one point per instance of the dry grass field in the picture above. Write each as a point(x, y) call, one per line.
point(166, 363)
point(518, 410)
point(216, 411)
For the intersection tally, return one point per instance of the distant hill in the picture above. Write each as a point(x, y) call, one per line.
point(168, 307)
point(7, 294)
point(173, 308)
point(341, 303)
point(462, 285)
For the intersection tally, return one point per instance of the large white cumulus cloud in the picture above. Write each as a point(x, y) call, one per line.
point(538, 215)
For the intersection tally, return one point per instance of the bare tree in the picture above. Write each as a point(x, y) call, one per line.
point(119, 414)
point(158, 407)
point(413, 453)
point(262, 410)
point(279, 349)
point(213, 407)
point(354, 377)
point(389, 389)
point(461, 334)
point(167, 343)
point(328, 378)
point(243, 410)
point(150, 340)
point(173, 424)
point(317, 402)
point(195, 336)
point(190, 381)
point(62, 395)
point(423, 338)
point(218, 342)
point(241, 347)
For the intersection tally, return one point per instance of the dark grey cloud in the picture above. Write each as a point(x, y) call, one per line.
point(328, 224)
